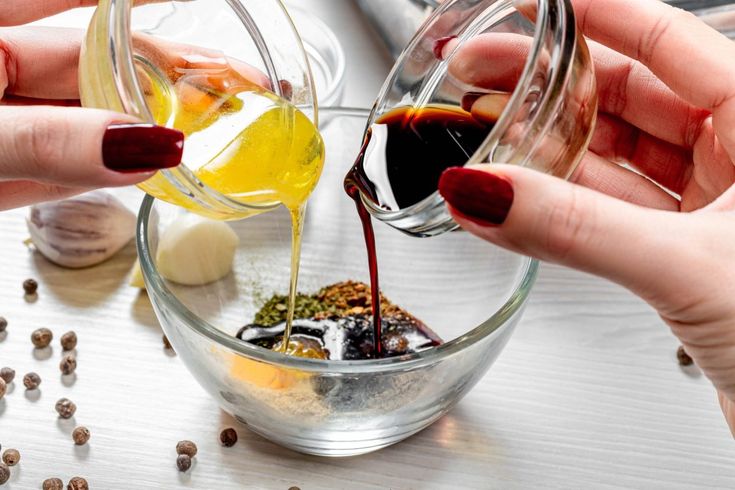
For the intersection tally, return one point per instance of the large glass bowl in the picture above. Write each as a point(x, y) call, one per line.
point(469, 292)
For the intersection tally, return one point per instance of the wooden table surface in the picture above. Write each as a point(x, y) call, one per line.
point(588, 394)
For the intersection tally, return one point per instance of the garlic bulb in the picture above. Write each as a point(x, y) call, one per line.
point(81, 231)
point(195, 251)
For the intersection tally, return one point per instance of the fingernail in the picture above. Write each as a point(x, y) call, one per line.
point(469, 99)
point(481, 197)
point(135, 148)
point(439, 46)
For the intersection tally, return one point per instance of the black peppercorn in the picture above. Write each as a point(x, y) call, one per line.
point(65, 408)
point(53, 484)
point(30, 286)
point(69, 341)
point(183, 462)
point(80, 435)
point(42, 337)
point(186, 447)
point(3, 324)
point(77, 483)
point(4, 473)
point(11, 457)
point(683, 357)
point(68, 364)
point(228, 437)
point(31, 381)
point(7, 375)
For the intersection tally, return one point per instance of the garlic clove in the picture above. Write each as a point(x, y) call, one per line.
point(194, 251)
point(81, 231)
point(136, 276)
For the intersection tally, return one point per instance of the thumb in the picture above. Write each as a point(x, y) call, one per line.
point(556, 221)
point(77, 147)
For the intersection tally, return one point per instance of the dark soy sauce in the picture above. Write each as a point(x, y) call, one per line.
point(401, 161)
point(348, 338)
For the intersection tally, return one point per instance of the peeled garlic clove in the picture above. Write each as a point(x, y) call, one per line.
point(136, 277)
point(195, 251)
point(81, 231)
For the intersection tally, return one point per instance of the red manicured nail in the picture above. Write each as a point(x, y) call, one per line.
point(481, 197)
point(135, 148)
point(469, 99)
point(439, 46)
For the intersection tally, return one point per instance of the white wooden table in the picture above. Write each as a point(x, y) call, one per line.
point(588, 394)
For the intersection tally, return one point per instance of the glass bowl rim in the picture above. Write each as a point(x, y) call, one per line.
point(156, 287)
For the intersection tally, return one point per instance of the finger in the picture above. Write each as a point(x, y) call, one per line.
point(686, 54)
point(20, 193)
point(614, 180)
point(626, 87)
point(16, 12)
point(40, 62)
point(668, 165)
point(557, 221)
point(82, 147)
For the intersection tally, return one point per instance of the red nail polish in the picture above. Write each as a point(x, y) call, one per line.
point(469, 99)
point(135, 148)
point(481, 197)
point(439, 46)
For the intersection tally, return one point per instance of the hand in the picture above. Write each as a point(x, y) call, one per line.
point(667, 108)
point(49, 152)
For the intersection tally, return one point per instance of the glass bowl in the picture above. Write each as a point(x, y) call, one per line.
point(530, 84)
point(469, 292)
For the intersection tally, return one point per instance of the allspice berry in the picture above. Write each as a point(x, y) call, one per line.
point(53, 484)
point(183, 462)
point(41, 338)
point(69, 341)
point(3, 324)
point(11, 457)
point(166, 343)
point(77, 483)
point(30, 286)
point(80, 435)
point(31, 381)
point(4, 473)
point(683, 357)
point(65, 408)
point(228, 437)
point(68, 364)
point(7, 375)
point(186, 447)
point(3, 388)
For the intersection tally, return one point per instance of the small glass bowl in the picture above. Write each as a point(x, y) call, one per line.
point(534, 56)
point(470, 293)
point(134, 51)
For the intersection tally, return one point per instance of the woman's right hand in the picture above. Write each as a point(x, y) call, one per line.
point(666, 232)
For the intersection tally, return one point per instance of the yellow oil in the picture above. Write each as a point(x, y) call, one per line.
point(241, 140)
